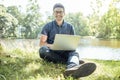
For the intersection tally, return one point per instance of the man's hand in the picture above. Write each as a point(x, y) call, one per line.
point(49, 45)
point(43, 42)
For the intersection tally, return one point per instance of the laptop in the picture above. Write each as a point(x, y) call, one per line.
point(65, 42)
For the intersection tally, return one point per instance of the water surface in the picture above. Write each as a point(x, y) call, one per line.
point(99, 49)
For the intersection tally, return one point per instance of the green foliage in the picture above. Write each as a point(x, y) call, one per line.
point(14, 23)
point(94, 18)
point(79, 22)
point(32, 21)
point(13, 10)
point(109, 26)
point(8, 23)
point(29, 24)
point(1, 48)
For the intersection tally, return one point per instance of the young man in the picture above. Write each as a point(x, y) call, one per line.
point(71, 58)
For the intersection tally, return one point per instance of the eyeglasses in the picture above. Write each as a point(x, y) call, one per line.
point(60, 12)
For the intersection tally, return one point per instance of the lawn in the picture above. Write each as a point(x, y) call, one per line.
point(21, 65)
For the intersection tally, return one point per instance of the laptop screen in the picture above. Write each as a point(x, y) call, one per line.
point(66, 42)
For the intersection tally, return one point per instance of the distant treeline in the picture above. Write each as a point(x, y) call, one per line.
point(17, 24)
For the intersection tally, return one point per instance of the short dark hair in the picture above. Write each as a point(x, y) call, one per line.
point(58, 5)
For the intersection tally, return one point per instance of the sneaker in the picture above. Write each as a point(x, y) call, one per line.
point(81, 61)
point(70, 71)
point(80, 71)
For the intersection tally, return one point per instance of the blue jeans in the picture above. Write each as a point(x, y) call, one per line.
point(71, 58)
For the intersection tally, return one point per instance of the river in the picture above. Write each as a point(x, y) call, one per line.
point(99, 49)
point(88, 48)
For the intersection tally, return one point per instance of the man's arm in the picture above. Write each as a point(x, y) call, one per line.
point(43, 41)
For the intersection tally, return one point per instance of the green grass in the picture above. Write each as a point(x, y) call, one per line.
point(20, 65)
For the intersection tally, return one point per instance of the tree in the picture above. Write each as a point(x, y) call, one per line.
point(95, 17)
point(79, 22)
point(8, 23)
point(32, 20)
point(109, 26)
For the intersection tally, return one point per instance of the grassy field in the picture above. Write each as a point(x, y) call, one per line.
point(20, 65)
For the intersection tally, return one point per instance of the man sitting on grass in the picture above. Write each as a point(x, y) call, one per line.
point(71, 57)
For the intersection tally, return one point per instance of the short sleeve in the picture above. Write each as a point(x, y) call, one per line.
point(45, 30)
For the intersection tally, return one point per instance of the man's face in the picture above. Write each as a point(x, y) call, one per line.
point(59, 13)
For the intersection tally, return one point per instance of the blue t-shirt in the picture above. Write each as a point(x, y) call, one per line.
point(51, 28)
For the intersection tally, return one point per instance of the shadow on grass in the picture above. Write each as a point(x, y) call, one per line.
point(25, 68)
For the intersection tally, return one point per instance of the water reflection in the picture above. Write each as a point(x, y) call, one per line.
point(99, 49)
point(113, 43)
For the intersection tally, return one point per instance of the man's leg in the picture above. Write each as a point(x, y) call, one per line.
point(75, 70)
point(73, 59)
point(49, 55)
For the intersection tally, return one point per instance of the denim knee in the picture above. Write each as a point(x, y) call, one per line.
point(43, 50)
point(73, 59)
point(74, 54)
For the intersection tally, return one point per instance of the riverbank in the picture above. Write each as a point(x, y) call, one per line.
point(89, 48)
point(22, 65)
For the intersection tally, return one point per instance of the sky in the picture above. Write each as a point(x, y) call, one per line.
point(71, 6)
